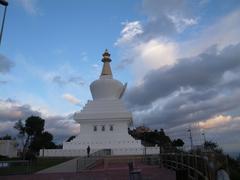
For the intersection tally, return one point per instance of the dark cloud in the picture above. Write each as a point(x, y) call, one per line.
point(61, 127)
point(190, 91)
point(5, 64)
point(183, 110)
point(11, 111)
point(76, 80)
point(202, 72)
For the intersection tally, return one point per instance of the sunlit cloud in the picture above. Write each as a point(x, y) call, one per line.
point(216, 121)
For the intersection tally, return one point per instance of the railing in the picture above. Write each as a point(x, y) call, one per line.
point(86, 162)
point(195, 165)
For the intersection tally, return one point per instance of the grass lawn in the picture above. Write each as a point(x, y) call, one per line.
point(17, 167)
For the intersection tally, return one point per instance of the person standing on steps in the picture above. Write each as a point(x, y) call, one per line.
point(88, 151)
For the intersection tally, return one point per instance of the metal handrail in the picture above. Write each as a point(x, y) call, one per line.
point(196, 165)
point(85, 162)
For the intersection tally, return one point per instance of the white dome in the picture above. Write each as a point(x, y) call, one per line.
point(106, 88)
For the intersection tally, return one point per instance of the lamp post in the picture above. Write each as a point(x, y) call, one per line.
point(190, 137)
point(5, 4)
point(204, 137)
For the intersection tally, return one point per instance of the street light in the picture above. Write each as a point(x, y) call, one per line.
point(204, 137)
point(190, 137)
point(5, 4)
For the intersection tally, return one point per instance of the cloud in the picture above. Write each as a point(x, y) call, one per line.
point(147, 43)
point(75, 80)
point(223, 33)
point(129, 32)
point(5, 64)
point(70, 98)
point(203, 71)
point(58, 80)
point(224, 130)
point(147, 55)
point(11, 111)
point(178, 17)
point(202, 91)
point(153, 54)
point(182, 23)
point(30, 6)
point(216, 121)
point(167, 17)
point(184, 79)
point(61, 127)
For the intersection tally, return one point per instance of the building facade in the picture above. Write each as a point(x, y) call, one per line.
point(104, 121)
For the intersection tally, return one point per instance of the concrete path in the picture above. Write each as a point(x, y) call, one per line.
point(150, 173)
point(65, 167)
point(114, 171)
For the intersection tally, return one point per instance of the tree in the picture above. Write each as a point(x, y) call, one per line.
point(212, 146)
point(34, 126)
point(238, 158)
point(6, 137)
point(178, 142)
point(21, 132)
point(151, 138)
point(43, 141)
point(33, 134)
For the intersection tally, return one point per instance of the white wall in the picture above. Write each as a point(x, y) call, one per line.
point(62, 152)
point(118, 138)
point(83, 152)
point(8, 148)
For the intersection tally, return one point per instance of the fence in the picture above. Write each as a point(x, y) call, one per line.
point(197, 167)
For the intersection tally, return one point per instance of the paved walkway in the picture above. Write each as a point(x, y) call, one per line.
point(115, 171)
point(65, 167)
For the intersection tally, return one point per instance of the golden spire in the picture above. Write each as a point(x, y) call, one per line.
point(106, 70)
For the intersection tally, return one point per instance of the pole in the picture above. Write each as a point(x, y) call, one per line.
point(190, 137)
point(4, 3)
point(204, 137)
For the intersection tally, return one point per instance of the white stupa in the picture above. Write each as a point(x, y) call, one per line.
point(104, 121)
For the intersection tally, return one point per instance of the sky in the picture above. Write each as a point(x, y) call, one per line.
point(180, 58)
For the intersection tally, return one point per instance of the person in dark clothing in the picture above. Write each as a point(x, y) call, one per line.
point(88, 151)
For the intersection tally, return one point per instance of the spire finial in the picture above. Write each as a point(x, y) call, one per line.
point(106, 56)
point(106, 70)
